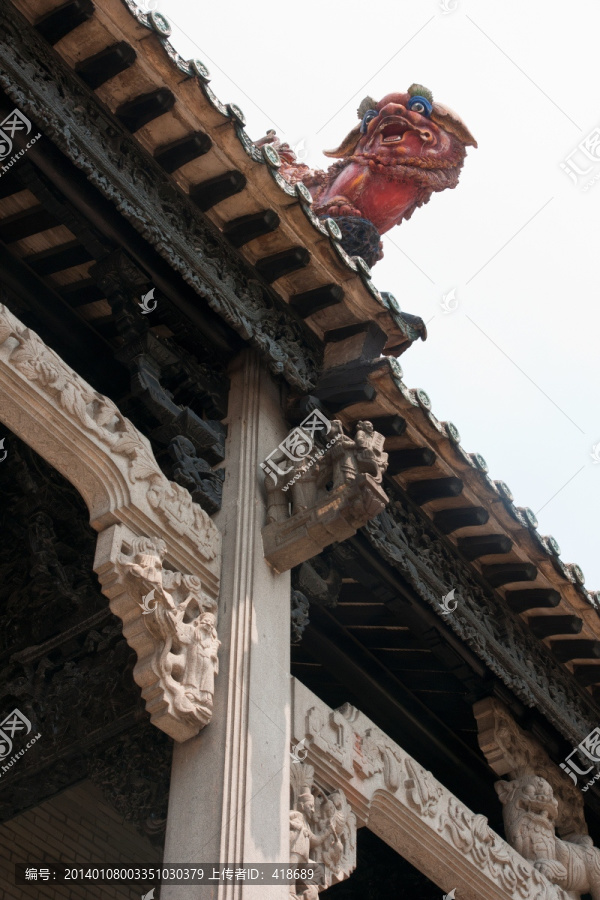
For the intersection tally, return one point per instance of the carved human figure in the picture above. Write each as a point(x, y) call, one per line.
point(186, 644)
point(370, 457)
point(201, 645)
point(529, 812)
point(336, 820)
point(343, 454)
point(302, 841)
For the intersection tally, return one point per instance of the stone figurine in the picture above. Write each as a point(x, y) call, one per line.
point(529, 811)
point(404, 148)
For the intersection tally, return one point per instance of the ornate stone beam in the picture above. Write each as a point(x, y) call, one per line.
point(154, 539)
point(402, 803)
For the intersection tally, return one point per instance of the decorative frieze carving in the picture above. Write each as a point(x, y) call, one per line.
point(406, 806)
point(410, 545)
point(85, 436)
point(322, 830)
point(332, 495)
point(530, 811)
point(511, 751)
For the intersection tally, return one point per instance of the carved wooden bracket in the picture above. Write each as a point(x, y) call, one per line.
point(332, 492)
point(86, 438)
point(511, 751)
point(408, 808)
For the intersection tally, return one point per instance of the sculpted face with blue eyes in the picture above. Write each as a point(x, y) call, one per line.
point(404, 148)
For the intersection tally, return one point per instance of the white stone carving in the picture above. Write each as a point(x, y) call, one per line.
point(530, 811)
point(407, 807)
point(422, 790)
point(170, 622)
point(85, 436)
point(511, 751)
point(330, 734)
point(322, 830)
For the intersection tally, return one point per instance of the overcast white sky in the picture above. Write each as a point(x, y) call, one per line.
point(516, 365)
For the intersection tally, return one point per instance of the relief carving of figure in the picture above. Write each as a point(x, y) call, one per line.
point(322, 830)
point(303, 841)
point(529, 811)
point(181, 620)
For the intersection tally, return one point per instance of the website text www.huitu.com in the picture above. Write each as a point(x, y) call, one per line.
point(5, 168)
point(13, 759)
point(313, 460)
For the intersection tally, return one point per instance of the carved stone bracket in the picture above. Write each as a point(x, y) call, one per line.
point(408, 808)
point(169, 621)
point(332, 495)
point(511, 751)
point(322, 830)
point(87, 439)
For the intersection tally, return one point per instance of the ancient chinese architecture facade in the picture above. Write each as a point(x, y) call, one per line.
point(260, 610)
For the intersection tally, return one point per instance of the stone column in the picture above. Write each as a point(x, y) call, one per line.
point(229, 797)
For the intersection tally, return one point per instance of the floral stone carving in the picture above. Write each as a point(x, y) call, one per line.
point(530, 811)
point(170, 621)
point(322, 830)
point(332, 495)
